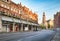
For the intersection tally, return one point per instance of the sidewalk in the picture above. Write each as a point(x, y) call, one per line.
point(7, 32)
point(15, 32)
point(57, 36)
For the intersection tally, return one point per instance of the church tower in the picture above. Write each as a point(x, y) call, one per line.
point(44, 21)
point(44, 18)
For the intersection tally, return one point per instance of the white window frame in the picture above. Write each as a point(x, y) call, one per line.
point(2, 5)
point(7, 7)
point(11, 9)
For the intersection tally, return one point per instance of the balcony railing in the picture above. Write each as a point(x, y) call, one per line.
point(15, 16)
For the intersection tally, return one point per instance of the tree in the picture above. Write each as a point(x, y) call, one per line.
point(48, 25)
point(42, 26)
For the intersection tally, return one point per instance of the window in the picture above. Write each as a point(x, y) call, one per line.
point(7, 7)
point(7, 0)
point(14, 9)
point(2, 5)
point(20, 12)
point(11, 9)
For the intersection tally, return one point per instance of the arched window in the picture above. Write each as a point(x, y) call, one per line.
point(7, 0)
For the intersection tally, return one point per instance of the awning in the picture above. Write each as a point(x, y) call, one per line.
point(7, 18)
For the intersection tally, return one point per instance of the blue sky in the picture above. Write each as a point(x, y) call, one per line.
point(50, 7)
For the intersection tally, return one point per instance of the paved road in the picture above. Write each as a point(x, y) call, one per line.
point(44, 35)
point(57, 36)
point(15, 36)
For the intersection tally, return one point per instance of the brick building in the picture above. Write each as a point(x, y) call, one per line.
point(57, 20)
point(15, 17)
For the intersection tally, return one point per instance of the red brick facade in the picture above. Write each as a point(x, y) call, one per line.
point(57, 19)
point(17, 10)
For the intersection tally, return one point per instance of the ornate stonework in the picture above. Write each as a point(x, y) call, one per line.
point(17, 10)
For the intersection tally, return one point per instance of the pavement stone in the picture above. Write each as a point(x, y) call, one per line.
point(57, 36)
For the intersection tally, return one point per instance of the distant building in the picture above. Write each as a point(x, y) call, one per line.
point(47, 22)
point(57, 20)
point(44, 22)
point(50, 23)
point(44, 18)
